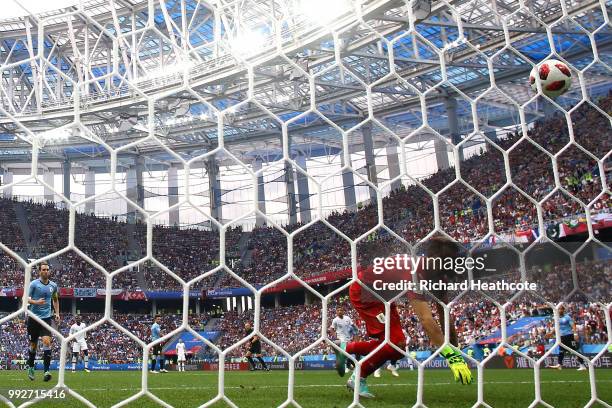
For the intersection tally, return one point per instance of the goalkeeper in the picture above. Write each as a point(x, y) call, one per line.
point(372, 311)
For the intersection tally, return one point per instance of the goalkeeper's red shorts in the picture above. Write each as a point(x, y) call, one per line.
point(372, 312)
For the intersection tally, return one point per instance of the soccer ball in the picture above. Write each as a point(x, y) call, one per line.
point(555, 77)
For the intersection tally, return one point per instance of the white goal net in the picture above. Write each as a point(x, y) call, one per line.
point(320, 132)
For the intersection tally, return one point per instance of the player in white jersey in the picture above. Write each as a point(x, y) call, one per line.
point(343, 326)
point(79, 345)
point(180, 354)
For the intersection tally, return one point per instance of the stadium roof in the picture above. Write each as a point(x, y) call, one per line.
point(121, 66)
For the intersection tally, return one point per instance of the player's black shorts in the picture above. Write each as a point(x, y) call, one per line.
point(255, 347)
point(157, 350)
point(569, 341)
point(37, 330)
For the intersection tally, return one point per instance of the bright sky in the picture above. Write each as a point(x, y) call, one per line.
point(12, 8)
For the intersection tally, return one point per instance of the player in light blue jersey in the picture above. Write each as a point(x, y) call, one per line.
point(43, 303)
point(156, 353)
point(569, 338)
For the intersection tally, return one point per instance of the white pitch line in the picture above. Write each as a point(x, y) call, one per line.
point(205, 387)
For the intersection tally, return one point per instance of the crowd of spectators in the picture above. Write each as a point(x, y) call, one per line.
point(408, 211)
point(106, 342)
point(110, 243)
point(9, 227)
point(187, 252)
point(295, 328)
point(590, 327)
point(292, 328)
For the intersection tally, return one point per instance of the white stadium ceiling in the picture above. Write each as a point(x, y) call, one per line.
point(128, 57)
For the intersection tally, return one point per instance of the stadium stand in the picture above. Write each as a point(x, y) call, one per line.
point(189, 251)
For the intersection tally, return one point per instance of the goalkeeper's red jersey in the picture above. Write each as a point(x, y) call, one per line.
point(374, 279)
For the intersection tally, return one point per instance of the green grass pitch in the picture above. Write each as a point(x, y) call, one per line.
point(319, 389)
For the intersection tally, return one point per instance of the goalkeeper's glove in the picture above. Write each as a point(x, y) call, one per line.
point(457, 364)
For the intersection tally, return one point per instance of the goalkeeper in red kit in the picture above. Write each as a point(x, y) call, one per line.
point(372, 311)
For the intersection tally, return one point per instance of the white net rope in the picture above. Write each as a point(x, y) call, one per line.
point(473, 36)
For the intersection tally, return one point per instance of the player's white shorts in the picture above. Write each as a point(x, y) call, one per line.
point(79, 345)
point(345, 339)
point(181, 357)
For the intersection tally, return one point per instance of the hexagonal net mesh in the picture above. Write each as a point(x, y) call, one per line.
point(426, 115)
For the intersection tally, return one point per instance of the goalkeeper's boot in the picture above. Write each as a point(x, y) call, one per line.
point(457, 364)
point(47, 376)
point(31, 373)
point(341, 359)
point(364, 391)
point(393, 369)
point(377, 373)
